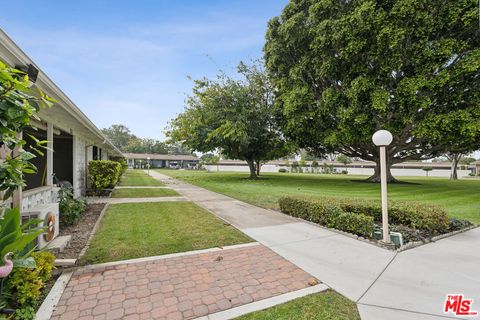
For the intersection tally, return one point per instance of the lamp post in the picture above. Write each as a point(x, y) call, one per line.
point(148, 165)
point(383, 138)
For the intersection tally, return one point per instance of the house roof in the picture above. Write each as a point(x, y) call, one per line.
point(156, 156)
point(64, 115)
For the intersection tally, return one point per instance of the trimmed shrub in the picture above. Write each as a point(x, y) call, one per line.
point(103, 174)
point(123, 163)
point(414, 215)
point(282, 170)
point(24, 285)
point(358, 224)
point(329, 215)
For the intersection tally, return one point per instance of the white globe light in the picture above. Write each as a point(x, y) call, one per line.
point(382, 138)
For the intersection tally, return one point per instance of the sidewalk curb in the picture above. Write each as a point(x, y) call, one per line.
point(95, 267)
point(48, 306)
point(263, 304)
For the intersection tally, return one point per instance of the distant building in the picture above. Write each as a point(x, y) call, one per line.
point(475, 167)
point(173, 161)
point(439, 169)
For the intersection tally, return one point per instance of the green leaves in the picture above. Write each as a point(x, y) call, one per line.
point(14, 237)
point(344, 69)
point(18, 104)
point(234, 115)
point(103, 174)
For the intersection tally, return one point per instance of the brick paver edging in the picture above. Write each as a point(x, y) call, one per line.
point(98, 266)
point(263, 304)
point(181, 286)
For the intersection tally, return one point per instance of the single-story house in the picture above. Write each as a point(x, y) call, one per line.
point(73, 139)
point(174, 161)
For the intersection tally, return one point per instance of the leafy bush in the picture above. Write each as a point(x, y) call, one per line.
point(25, 313)
point(282, 170)
point(103, 174)
point(70, 208)
point(358, 224)
point(329, 215)
point(123, 164)
point(414, 215)
point(24, 285)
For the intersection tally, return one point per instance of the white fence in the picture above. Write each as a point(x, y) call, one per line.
point(400, 172)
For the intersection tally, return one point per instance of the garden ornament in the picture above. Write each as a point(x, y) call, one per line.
point(7, 267)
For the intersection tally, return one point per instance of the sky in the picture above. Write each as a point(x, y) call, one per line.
point(129, 62)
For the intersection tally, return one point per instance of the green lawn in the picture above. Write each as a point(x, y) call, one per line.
point(134, 230)
point(138, 178)
point(327, 305)
point(143, 192)
point(460, 198)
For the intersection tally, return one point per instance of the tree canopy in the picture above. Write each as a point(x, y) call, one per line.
point(121, 136)
point(234, 115)
point(345, 69)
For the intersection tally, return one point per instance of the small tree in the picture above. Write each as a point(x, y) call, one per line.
point(295, 166)
point(427, 170)
point(302, 166)
point(314, 166)
point(233, 115)
point(209, 159)
point(345, 160)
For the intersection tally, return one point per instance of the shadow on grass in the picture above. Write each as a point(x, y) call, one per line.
point(397, 182)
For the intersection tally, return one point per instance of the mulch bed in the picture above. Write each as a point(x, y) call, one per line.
point(80, 231)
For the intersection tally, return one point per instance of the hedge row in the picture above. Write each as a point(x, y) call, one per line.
point(103, 174)
point(328, 215)
point(414, 215)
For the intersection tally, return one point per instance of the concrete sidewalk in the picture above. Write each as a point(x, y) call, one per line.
point(386, 285)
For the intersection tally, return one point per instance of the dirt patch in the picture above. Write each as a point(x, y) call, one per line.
point(80, 231)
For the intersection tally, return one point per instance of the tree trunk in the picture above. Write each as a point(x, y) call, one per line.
point(376, 174)
point(258, 166)
point(253, 169)
point(455, 158)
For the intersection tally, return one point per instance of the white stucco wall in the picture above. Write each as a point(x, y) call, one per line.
point(79, 165)
point(355, 171)
point(104, 154)
point(89, 153)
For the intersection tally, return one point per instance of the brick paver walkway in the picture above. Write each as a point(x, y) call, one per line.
point(183, 287)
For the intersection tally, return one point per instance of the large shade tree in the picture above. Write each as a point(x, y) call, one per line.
point(119, 134)
point(347, 68)
point(233, 115)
